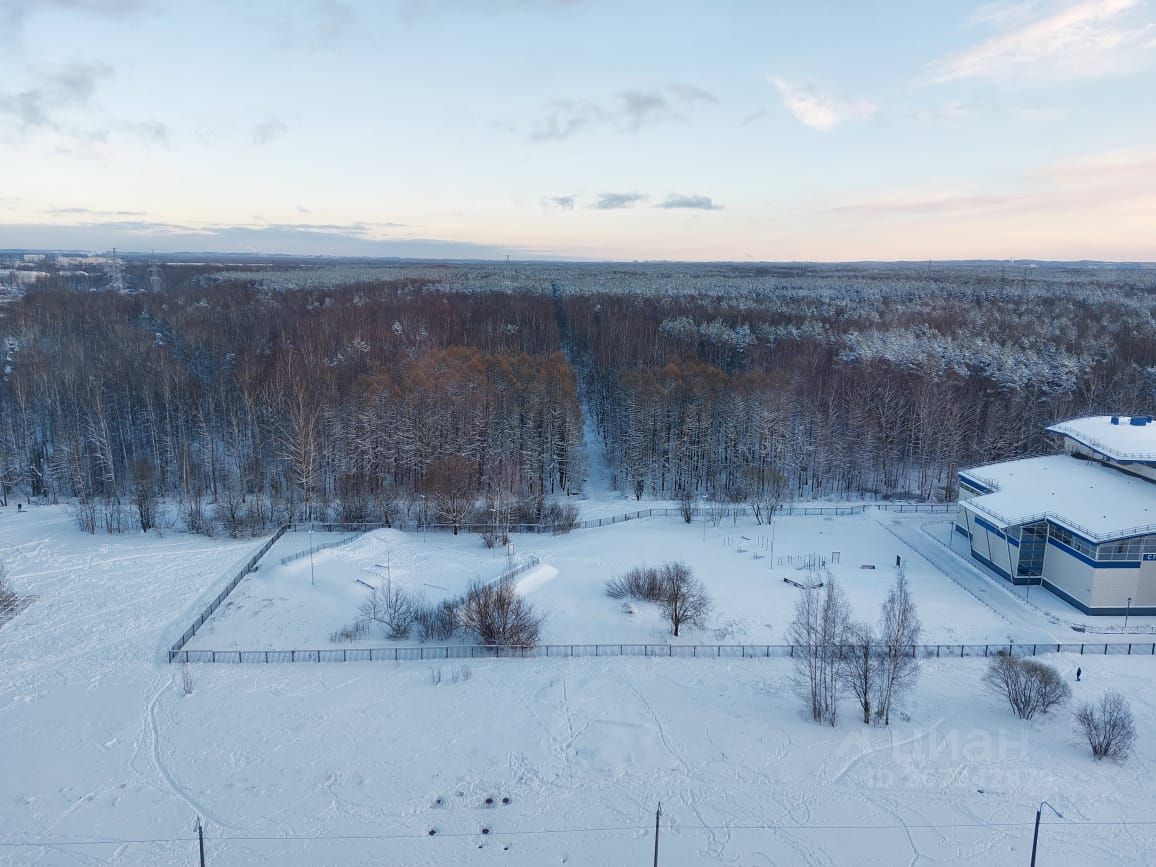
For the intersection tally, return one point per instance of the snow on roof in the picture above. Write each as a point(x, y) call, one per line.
point(1120, 441)
point(1094, 500)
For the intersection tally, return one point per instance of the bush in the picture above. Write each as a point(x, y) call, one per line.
point(392, 607)
point(496, 614)
point(684, 600)
point(1028, 685)
point(352, 632)
point(437, 622)
point(1109, 727)
point(643, 583)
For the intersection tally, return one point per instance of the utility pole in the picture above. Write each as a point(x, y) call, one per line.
point(657, 818)
point(201, 839)
point(1127, 611)
point(1036, 835)
point(311, 580)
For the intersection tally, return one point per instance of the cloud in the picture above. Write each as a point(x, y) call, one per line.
point(565, 119)
point(1084, 39)
point(823, 113)
point(413, 11)
point(560, 203)
point(617, 201)
point(354, 239)
point(15, 13)
point(697, 203)
point(40, 104)
point(89, 212)
point(629, 111)
point(270, 129)
point(310, 25)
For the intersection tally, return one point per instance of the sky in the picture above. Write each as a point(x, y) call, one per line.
point(742, 130)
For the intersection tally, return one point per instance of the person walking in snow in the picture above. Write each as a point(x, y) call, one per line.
point(1079, 671)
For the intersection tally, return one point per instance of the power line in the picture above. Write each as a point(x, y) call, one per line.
point(254, 838)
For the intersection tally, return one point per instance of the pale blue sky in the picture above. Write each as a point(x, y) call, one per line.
point(580, 128)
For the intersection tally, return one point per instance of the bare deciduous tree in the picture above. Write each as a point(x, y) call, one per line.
point(899, 631)
point(685, 601)
point(862, 666)
point(818, 635)
point(390, 606)
point(1108, 726)
point(1028, 685)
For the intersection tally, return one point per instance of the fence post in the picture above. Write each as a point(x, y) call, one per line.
point(1081, 650)
point(1129, 648)
point(266, 657)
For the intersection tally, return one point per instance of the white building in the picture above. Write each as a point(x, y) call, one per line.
point(1081, 523)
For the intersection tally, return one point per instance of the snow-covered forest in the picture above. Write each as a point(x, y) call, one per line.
point(250, 396)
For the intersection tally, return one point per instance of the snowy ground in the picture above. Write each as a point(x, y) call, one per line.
point(299, 605)
point(356, 763)
point(742, 566)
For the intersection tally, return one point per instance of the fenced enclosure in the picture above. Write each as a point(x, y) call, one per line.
point(178, 653)
point(669, 651)
point(216, 603)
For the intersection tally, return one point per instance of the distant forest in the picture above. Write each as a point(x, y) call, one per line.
point(452, 393)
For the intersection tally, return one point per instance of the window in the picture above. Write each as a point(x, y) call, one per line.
point(1127, 549)
point(1067, 537)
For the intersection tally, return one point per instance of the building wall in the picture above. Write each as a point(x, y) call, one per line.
point(993, 548)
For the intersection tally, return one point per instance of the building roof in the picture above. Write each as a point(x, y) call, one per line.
point(1123, 441)
point(1098, 502)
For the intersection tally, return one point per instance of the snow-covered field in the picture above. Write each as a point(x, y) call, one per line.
point(298, 606)
point(357, 763)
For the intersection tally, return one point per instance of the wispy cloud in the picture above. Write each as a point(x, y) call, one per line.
point(630, 111)
point(15, 13)
point(617, 201)
point(40, 104)
point(820, 111)
point(560, 203)
point(89, 212)
point(270, 129)
point(354, 239)
point(696, 203)
point(1082, 39)
point(312, 25)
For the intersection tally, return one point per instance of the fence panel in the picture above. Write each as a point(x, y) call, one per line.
point(435, 653)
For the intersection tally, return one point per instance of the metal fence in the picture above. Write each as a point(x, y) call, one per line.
point(591, 523)
point(323, 547)
point(216, 603)
point(177, 652)
point(677, 651)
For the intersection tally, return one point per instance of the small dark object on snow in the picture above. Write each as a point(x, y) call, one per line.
point(432, 831)
point(437, 802)
point(1079, 671)
point(485, 830)
point(489, 802)
point(505, 800)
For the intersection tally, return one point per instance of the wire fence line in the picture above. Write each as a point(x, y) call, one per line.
point(592, 523)
point(677, 651)
point(359, 528)
point(292, 558)
point(249, 566)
